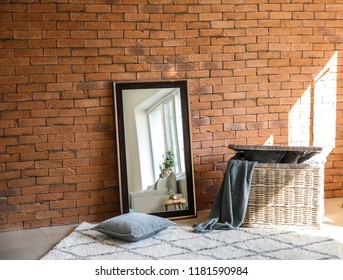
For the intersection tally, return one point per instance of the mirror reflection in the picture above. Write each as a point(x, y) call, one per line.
point(154, 148)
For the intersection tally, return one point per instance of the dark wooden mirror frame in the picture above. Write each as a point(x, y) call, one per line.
point(118, 88)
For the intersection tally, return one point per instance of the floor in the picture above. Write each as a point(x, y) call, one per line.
point(32, 244)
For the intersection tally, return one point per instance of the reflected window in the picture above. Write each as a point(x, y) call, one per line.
point(165, 123)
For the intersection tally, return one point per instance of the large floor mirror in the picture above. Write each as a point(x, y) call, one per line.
point(154, 148)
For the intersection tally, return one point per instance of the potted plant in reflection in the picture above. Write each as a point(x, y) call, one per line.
point(167, 164)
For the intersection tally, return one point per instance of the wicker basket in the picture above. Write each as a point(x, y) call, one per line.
point(286, 195)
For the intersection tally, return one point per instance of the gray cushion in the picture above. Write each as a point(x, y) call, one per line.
point(167, 183)
point(264, 156)
point(133, 226)
point(152, 187)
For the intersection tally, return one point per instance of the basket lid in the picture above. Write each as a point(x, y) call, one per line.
point(274, 148)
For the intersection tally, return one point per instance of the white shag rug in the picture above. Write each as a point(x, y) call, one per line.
point(182, 243)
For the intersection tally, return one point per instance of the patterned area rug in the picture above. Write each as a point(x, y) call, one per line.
point(181, 243)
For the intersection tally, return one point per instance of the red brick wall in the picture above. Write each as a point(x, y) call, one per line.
point(254, 70)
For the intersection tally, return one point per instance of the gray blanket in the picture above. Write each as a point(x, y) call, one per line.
point(228, 210)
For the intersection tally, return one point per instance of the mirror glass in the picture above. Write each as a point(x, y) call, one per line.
point(154, 148)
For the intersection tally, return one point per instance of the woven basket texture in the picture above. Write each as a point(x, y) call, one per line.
point(286, 196)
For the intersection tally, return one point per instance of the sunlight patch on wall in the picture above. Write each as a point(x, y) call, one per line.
point(325, 101)
point(270, 140)
point(312, 120)
point(300, 121)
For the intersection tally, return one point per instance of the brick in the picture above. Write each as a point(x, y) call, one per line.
point(70, 77)
point(61, 204)
point(137, 17)
point(15, 183)
point(20, 165)
point(245, 72)
point(50, 180)
point(60, 121)
point(32, 139)
point(76, 212)
point(48, 214)
point(47, 8)
point(21, 199)
point(43, 60)
point(43, 77)
point(9, 158)
point(15, 114)
point(18, 131)
point(89, 202)
point(20, 217)
point(37, 223)
point(47, 130)
point(61, 171)
point(77, 178)
point(246, 23)
point(33, 207)
point(20, 149)
point(77, 194)
point(245, 118)
point(72, 129)
point(89, 170)
point(32, 122)
point(61, 155)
